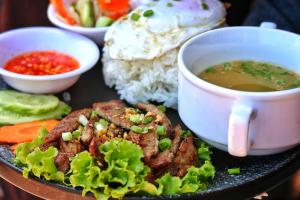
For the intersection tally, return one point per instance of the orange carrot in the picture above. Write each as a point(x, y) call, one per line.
point(59, 6)
point(24, 132)
point(114, 8)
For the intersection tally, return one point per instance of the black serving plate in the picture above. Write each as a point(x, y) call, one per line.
point(258, 174)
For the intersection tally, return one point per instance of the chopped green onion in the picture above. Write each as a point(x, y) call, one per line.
point(76, 134)
point(146, 129)
point(204, 5)
point(66, 136)
point(135, 17)
point(83, 120)
point(148, 13)
point(164, 144)
point(137, 118)
point(94, 114)
point(169, 4)
point(162, 108)
point(137, 129)
point(104, 21)
point(161, 130)
point(234, 171)
point(103, 122)
point(185, 134)
point(147, 120)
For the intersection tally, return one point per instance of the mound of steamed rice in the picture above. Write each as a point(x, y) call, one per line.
point(144, 80)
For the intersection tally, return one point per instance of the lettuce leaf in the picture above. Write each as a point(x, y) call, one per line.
point(126, 171)
point(86, 174)
point(25, 148)
point(41, 164)
point(169, 184)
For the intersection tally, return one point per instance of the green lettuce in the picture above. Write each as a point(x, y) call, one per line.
point(24, 149)
point(168, 184)
point(41, 164)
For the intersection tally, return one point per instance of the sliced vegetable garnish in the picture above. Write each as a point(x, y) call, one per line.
point(148, 13)
point(135, 17)
point(234, 171)
point(148, 119)
point(114, 8)
point(76, 134)
point(185, 133)
point(66, 136)
point(104, 21)
point(164, 144)
point(83, 120)
point(136, 118)
point(27, 103)
point(59, 6)
point(137, 129)
point(85, 9)
point(24, 132)
point(162, 108)
point(161, 130)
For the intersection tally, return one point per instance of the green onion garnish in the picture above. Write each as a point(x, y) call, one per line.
point(148, 13)
point(103, 122)
point(137, 118)
point(66, 136)
point(169, 4)
point(161, 130)
point(162, 108)
point(164, 144)
point(234, 171)
point(76, 134)
point(147, 120)
point(137, 129)
point(135, 17)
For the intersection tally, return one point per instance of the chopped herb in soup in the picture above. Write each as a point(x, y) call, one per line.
point(251, 76)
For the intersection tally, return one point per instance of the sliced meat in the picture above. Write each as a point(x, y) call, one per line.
point(94, 148)
point(159, 114)
point(114, 111)
point(66, 151)
point(185, 157)
point(71, 148)
point(62, 162)
point(68, 124)
point(166, 157)
point(45, 146)
point(88, 131)
point(148, 142)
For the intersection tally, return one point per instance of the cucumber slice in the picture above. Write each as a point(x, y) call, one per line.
point(9, 117)
point(27, 103)
point(85, 8)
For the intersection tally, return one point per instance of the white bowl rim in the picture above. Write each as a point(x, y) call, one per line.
point(52, 15)
point(226, 91)
point(73, 73)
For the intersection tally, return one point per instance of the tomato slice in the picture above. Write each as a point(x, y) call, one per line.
point(114, 8)
point(59, 6)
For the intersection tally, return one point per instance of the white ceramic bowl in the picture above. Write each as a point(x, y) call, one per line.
point(24, 40)
point(242, 123)
point(96, 33)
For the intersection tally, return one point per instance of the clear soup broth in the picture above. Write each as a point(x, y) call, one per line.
point(251, 76)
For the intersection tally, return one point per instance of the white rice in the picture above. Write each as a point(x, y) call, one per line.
point(144, 80)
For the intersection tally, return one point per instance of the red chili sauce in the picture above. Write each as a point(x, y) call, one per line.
point(42, 63)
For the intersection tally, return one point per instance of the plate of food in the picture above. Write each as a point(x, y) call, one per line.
point(116, 132)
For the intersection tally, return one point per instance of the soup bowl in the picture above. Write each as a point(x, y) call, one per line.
point(240, 122)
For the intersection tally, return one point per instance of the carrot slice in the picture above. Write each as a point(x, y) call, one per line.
point(114, 8)
point(59, 6)
point(24, 132)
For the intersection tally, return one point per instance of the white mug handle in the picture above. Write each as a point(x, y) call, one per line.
point(238, 130)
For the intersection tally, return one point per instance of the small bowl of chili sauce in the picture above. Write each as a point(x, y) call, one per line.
point(44, 59)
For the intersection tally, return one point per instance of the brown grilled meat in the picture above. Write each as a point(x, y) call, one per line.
point(66, 151)
point(185, 157)
point(166, 157)
point(88, 131)
point(68, 124)
point(159, 114)
point(114, 111)
point(148, 142)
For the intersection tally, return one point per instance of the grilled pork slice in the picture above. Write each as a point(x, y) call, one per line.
point(66, 151)
point(166, 157)
point(114, 111)
point(68, 124)
point(161, 116)
point(185, 157)
point(148, 142)
point(88, 131)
